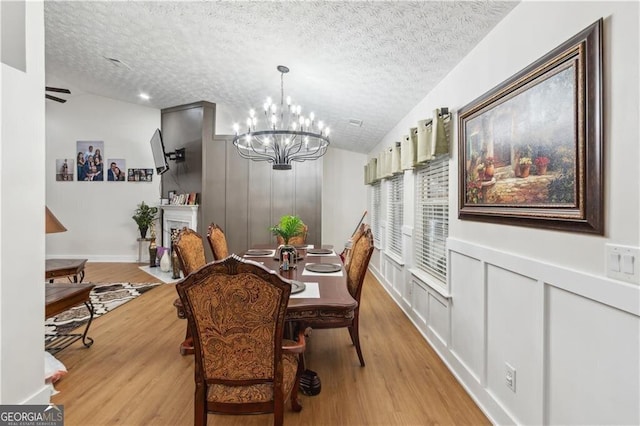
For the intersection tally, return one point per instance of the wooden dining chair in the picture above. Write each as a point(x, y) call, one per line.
point(348, 251)
point(217, 242)
point(189, 248)
point(242, 363)
point(360, 256)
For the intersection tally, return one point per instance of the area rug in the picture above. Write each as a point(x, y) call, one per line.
point(105, 298)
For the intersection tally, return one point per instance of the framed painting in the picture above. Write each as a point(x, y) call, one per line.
point(530, 150)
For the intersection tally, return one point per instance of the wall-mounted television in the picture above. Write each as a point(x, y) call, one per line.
point(159, 155)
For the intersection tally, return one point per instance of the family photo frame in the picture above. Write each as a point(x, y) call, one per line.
point(531, 149)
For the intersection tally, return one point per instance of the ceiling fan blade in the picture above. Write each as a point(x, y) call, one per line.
point(55, 89)
point(55, 98)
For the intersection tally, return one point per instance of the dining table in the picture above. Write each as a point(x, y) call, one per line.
point(325, 298)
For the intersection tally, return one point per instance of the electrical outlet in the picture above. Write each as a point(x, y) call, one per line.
point(510, 377)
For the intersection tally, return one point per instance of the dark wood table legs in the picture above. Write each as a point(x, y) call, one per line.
point(59, 298)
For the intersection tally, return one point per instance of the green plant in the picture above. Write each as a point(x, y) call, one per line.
point(289, 227)
point(145, 215)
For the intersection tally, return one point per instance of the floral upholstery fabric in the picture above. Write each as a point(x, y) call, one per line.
point(218, 243)
point(354, 240)
point(235, 317)
point(190, 249)
point(359, 261)
point(256, 393)
point(236, 311)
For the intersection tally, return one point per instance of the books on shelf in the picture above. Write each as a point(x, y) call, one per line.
point(186, 199)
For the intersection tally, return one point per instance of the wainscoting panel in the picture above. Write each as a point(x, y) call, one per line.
point(420, 303)
point(573, 338)
point(586, 384)
point(438, 323)
point(467, 312)
point(514, 321)
point(393, 275)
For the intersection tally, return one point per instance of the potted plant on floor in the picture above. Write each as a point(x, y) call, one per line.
point(145, 215)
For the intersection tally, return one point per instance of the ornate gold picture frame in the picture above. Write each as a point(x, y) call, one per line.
point(530, 150)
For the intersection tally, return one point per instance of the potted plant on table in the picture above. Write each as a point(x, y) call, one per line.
point(289, 227)
point(144, 216)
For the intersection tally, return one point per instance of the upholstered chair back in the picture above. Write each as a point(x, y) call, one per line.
point(217, 242)
point(236, 312)
point(354, 239)
point(190, 250)
point(360, 256)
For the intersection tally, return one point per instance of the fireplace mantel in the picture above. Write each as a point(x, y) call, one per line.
point(177, 217)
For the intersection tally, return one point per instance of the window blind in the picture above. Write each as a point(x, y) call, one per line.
point(432, 217)
point(394, 214)
point(375, 211)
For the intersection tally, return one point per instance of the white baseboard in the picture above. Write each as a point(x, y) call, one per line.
point(97, 258)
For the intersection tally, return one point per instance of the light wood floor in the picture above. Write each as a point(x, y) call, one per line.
point(135, 375)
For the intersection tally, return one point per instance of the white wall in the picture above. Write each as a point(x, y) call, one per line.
point(344, 198)
point(97, 215)
point(539, 299)
point(22, 248)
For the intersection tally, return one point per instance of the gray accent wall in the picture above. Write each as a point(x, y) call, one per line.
point(245, 197)
point(191, 127)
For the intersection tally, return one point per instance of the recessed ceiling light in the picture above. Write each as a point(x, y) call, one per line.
point(144, 96)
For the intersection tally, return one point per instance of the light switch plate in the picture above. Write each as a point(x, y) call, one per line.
point(622, 263)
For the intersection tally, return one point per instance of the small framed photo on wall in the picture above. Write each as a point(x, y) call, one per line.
point(140, 175)
point(64, 170)
point(115, 172)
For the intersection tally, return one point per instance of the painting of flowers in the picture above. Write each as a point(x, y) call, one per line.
point(525, 149)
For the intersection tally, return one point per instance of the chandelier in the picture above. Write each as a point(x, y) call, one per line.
point(285, 134)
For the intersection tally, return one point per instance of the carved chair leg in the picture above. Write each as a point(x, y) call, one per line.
point(355, 338)
point(200, 406)
point(278, 413)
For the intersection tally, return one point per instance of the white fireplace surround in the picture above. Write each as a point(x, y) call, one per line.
point(177, 217)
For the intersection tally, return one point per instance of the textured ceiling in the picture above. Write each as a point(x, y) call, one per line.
point(371, 61)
